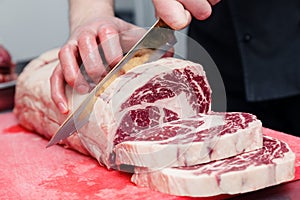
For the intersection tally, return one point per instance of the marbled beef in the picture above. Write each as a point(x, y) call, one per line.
point(164, 107)
point(146, 96)
point(190, 141)
point(270, 165)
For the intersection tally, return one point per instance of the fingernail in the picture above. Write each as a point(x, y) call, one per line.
point(83, 89)
point(63, 108)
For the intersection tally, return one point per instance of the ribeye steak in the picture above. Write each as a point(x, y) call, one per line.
point(190, 141)
point(270, 165)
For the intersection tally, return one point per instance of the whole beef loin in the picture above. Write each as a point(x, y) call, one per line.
point(146, 96)
point(267, 166)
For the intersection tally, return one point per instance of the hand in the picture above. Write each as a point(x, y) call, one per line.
point(178, 13)
point(115, 37)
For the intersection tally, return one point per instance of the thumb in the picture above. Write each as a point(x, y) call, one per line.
point(173, 13)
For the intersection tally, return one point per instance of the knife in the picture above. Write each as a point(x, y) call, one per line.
point(158, 40)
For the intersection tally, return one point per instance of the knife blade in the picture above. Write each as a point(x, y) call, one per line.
point(157, 41)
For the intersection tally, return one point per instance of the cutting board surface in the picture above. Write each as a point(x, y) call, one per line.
point(30, 171)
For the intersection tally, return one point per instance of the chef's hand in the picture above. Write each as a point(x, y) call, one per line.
point(87, 32)
point(177, 13)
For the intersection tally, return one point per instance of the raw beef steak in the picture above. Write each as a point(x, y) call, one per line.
point(270, 165)
point(191, 141)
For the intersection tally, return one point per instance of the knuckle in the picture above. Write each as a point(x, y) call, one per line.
point(177, 25)
point(85, 36)
point(70, 80)
point(96, 72)
point(108, 29)
point(65, 50)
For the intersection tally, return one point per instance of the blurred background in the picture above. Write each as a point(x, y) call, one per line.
point(29, 28)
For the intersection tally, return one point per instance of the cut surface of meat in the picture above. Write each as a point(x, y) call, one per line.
point(190, 141)
point(146, 96)
point(270, 165)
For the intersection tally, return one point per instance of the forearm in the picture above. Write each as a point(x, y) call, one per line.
point(81, 11)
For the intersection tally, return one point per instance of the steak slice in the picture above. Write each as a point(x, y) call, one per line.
point(191, 141)
point(270, 165)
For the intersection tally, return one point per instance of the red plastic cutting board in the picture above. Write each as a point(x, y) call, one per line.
point(30, 171)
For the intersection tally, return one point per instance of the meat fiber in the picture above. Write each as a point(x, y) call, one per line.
point(190, 141)
point(270, 165)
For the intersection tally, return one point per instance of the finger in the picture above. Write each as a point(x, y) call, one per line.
point(69, 59)
point(173, 13)
point(129, 34)
point(169, 53)
point(110, 43)
point(130, 38)
point(90, 56)
point(213, 2)
point(58, 90)
point(200, 9)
